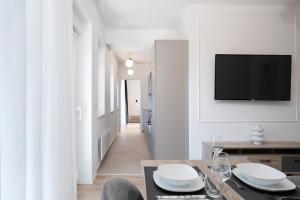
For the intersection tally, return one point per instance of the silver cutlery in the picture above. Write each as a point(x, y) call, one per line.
point(189, 197)
point(271, 197)
point(237, 185)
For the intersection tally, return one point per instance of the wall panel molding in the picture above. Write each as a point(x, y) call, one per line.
point(269, 108)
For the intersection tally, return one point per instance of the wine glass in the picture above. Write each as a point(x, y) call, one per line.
point(222, 169)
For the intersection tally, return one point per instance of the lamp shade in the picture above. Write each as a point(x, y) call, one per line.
point(130, 72)
point(129, 63)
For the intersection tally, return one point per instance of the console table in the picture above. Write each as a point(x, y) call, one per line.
point(284, 156)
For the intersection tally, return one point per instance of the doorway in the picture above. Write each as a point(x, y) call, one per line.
point(130, 103)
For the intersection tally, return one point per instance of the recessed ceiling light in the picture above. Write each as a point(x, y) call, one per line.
point(129, 63)
point(130, 72)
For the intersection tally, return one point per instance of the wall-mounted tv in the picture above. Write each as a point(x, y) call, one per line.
point(252, 77)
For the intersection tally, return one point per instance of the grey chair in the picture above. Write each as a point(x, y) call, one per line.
point(295, 179)
point(120, 189)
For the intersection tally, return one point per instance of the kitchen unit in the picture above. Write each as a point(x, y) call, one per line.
point(169, 100)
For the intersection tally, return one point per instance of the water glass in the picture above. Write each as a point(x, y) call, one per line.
point(210, 188)
point(221, 168)
point(217, 146)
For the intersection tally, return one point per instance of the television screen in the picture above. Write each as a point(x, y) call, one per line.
point(252, 77)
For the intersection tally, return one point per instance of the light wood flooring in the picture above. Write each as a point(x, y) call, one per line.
point(123, 160)
point(126, 153)
point(92, 192)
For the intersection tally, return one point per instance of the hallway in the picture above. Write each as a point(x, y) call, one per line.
point(124, 156)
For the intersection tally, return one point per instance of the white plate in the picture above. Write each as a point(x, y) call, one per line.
point(198, 184)
point(177, 174)
point(260, 173)
point(284, 185)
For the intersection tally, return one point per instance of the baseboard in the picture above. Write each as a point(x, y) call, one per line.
point(85, 181)
point(95, 175)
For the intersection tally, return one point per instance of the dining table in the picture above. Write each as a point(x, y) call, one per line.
point(231, 191)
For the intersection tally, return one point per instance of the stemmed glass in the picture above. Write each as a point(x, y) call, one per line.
point(221, 168)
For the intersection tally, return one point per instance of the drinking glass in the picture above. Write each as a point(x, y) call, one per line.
point(210, 188)
point(222, 169)
point(217, 146)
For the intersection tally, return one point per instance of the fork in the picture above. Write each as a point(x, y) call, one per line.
point(238, 185)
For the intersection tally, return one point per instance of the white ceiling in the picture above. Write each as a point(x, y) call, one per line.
point(141, 13)
point(159, 13)
point(139, 57)
point(136, 23)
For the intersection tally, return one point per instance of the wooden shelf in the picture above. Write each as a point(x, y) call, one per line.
point(266, 145)
point(283, 155)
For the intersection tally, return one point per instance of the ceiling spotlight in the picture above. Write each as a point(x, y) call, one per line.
point(130, 72)
point(129, 63)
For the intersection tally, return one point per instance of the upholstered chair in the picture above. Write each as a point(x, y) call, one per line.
point(120, 189)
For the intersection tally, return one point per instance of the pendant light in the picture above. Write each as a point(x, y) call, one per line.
point(129, 62)
point(130, 72)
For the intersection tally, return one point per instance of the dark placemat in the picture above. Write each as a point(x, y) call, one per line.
point(251, 193)
point(153, 190)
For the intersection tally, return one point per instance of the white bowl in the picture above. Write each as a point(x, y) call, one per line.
point(177, 174)
point(260, 173)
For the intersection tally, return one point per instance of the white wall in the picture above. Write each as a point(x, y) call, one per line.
point(83, 95)
point(239, 29)
point(91, 13)
point(134, 93)
point(100, 125)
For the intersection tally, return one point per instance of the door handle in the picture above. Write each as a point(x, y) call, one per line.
point(78, 110)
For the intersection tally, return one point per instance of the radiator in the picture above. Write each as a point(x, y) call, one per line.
point(106, 141)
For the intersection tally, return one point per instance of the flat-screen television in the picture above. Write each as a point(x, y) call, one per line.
point(252, 77)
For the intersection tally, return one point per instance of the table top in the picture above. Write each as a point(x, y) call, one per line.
point(228, 192)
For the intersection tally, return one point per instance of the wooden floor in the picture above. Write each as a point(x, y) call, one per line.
point(92, 192)
point(123, 160)
point(126, 153)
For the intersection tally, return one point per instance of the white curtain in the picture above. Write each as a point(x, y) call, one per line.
point(12, 100)
point(57, 102)
point(36, 100)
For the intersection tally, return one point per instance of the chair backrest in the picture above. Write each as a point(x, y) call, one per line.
point(120, 189)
